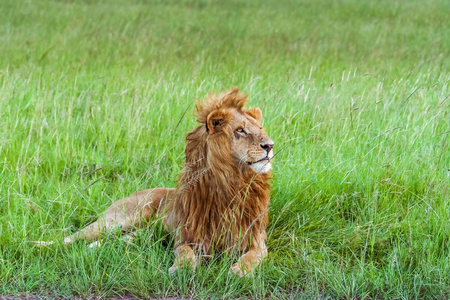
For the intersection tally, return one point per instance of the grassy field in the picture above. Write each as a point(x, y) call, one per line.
point(355, 94)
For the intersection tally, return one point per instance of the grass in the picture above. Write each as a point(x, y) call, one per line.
point(354, 93)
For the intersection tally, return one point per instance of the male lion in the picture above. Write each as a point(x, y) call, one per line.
point(222, 197)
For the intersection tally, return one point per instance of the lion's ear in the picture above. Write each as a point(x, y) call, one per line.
point(255, 113)
point(216, 120)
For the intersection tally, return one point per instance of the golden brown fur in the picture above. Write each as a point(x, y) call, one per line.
point(222, 196)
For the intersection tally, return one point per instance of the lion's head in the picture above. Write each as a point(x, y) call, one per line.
point(237, 130)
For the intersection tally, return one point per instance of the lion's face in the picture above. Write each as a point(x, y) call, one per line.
point(250, 146)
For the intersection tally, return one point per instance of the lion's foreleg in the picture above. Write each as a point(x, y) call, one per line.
point(250, 260)
point(184, 256)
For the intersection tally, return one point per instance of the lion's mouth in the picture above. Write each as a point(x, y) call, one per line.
point(262, 159)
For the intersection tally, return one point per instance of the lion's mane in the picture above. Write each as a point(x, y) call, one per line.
point(218, 206)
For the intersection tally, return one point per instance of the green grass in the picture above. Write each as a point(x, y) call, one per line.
point(355, 94)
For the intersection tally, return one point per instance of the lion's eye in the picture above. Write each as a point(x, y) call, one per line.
point(240, 130)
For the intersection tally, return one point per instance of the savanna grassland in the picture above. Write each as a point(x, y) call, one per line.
point(97, 96)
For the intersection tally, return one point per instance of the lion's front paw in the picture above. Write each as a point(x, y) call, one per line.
point(173, 269)
point(236, 269)
point(186, 263)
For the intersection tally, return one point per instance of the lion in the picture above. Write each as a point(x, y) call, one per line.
point(221, 199)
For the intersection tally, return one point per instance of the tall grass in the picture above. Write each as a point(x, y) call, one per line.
point(355, 95)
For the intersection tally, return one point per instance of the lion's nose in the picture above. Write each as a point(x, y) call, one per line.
point(267, 147)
